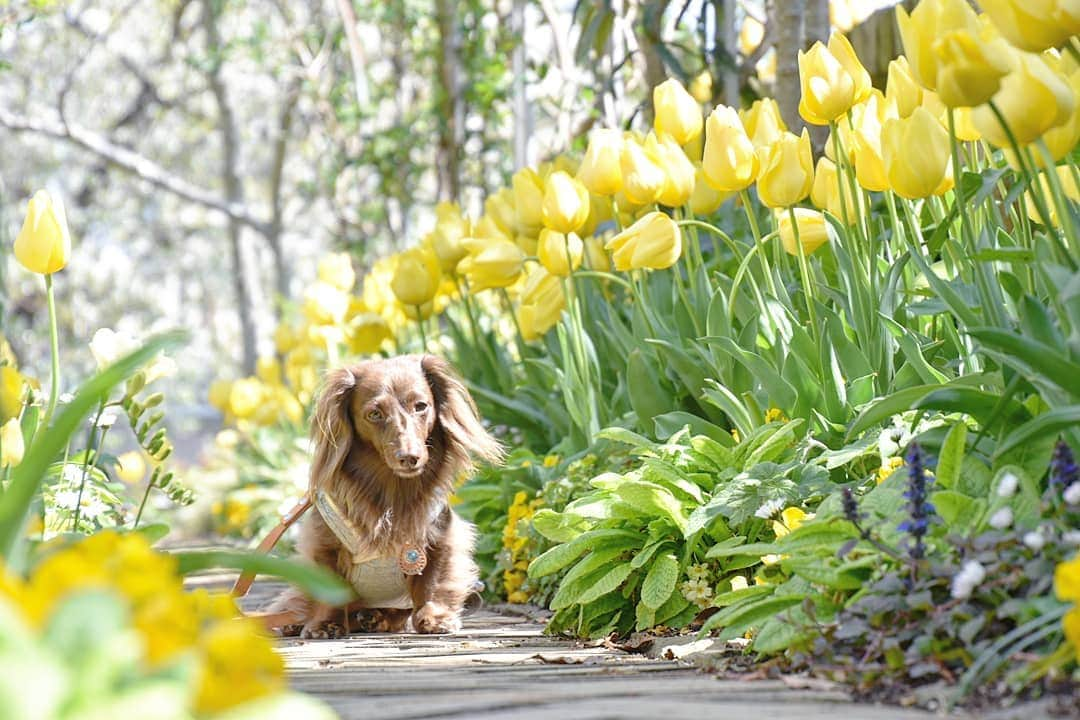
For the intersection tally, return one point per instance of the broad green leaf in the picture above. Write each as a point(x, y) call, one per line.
point(1049, 424)
point(562, 555)
point(754, 549)
point(1039, 361)
point(736, 624)
point(609, 582)
point(824, 571)
point(318, 582)
point(821, 534)
point(660, 581)
point(670, 423)
point(558, 527)
point(952, 456)
point(960, 512)
point(582, 576)
point(884, 408)
point(654, 500)
point(628, 437)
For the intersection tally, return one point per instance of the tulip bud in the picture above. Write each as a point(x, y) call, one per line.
point(528, 201)
point(916, 174)
point(560, 254)
point(601, 170)
point(763, 122)
point(971, 62)
point(678, 114)
point(865, 141)
point(12, 447)
point(653, 242)
point(1034, 26)
point(701, 87)
point(1033, 99)
point(826, 193)
point(787, 171)
point(542, 303)
point(1061, 140)
point(12, 389)
point(729, 163)
point(450, 228)
point(705, 200)
point(566, 203)
point(831, 84)
point(491, 263)
point(596, 257)
point(813, 231)
point(416, 279)
point(679, 172)
point(44, 244)
point(902, 89)
point(367, 333)
point(643, 176)
point(499, 208)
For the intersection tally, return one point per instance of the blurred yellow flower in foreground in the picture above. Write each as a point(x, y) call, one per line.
point(653, 242)
point(336, 269)
point(12, 388)
point(416, 278)
point(12, 446)
point(491, 263)
point(44, 243)
point(1034, 25)
point(1033, 98)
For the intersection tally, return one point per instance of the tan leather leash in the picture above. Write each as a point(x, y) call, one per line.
point(243, 583)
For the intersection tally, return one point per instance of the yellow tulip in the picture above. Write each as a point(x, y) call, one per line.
point(325, 304)
point(499, 208)
point(491, 263)
point(528, 243)
point(832, 80)
point(705, 200)
point(920, 30)
point(787, 171)
point(44, 244)
point(653, 242)
point(751, 34)
point(679, 173)
point(971, 61)
point(488, 227)
point(730, 163)
point(601, 169)
point(916, 154)
point(560, 254)
point(762, 122)
point(812, 226)
point(12, 447)
point(450, 228)
point(284, 339)
point(596, 257)
point(1068, 186)
point(677, 113)
point(417, 277)
point(902, 89)
point(245, 397)
point(566, 203)
point(528, 201)
point(542, 303)
point(12, 390)
point(643, 176)
point(336, 269)
point(1059, 140)
point(219, 394)
point(1033, 99)
point(865, 141)
point(367, 333)
point(825, 193)
point(130, 467)
point(1034, 25)
point(701, 87)
point(268, 370)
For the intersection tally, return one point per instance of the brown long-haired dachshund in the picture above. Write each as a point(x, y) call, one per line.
point(391, 437)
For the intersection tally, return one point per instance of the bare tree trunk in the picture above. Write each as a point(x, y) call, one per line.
point(277, 170)
point(233, 189)
point(650, 38)
point(816, 24)
point(521, 105)
point(453, 120)
point(727, 42)
point(787, 16)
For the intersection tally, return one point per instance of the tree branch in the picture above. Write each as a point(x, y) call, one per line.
point(136, 164)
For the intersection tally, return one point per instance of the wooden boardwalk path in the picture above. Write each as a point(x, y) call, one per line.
point(501, 665)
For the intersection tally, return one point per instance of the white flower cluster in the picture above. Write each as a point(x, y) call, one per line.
point(964, 582)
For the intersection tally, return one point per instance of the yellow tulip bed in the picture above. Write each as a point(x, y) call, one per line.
point(823, 400)
point(826, 404)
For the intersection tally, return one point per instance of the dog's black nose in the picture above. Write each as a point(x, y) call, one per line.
point(406, 459)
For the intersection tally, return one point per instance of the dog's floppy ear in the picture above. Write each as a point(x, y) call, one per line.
point(458, 415)
point(331, 426)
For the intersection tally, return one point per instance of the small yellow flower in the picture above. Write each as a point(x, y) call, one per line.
point(888, 468)
point(12, 447)
point(1067, 580)
point(44, 243)
point(739, 583)
point(775, 414)
point(131, 467)
point(551, 461)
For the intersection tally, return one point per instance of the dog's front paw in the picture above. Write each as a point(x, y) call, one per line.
point(324, 630)
point(381, 620)
point(433, 618)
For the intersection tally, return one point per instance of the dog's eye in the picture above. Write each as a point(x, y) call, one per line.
point(421, 407)
point(374, 416)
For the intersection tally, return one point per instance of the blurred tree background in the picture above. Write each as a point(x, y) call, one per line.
point(209, 151)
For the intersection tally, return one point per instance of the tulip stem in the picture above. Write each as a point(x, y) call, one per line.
point(751, 218)
point(1056, 190)
point(54, 349)
point(420, 325)
point(804, 269)
point(1034, 186)
point(958, 184)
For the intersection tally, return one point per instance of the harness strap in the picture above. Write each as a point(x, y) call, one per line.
point(243, 583)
